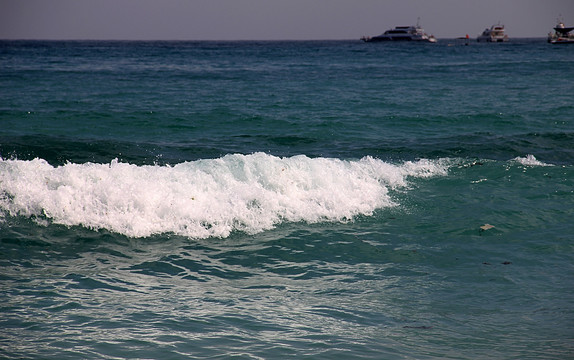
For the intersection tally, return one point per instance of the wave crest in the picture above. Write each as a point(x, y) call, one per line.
point(530, 160)
point(204, 198)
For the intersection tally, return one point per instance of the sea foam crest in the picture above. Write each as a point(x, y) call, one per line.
point(530, 160)
point(204, 198)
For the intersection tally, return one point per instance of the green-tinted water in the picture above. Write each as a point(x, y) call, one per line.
point(286, 199)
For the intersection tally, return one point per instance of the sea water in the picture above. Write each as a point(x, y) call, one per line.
point(297, 199)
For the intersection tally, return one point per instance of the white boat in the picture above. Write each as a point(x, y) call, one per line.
point(402, 33)
point(496, 33)
point(562, 34)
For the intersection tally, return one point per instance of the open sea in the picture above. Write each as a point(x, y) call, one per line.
point(286, 199)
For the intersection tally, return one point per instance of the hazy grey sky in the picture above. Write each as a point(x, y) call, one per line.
point(271, 19)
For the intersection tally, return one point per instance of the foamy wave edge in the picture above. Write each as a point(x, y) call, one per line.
point(530, 160)
point(204, 198)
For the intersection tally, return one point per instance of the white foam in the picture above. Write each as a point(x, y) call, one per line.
point(530, 160)
point(204, 198)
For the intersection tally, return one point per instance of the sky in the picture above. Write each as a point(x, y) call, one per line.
point(271, 19)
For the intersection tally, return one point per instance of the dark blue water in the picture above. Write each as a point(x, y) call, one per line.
point(321, 200)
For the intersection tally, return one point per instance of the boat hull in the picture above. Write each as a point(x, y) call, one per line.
point(562, 41)
point(386, 38)
point(398, 39)
point(492, 40)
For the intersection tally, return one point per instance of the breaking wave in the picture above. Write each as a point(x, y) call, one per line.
point(204, 198)
point(530, 160)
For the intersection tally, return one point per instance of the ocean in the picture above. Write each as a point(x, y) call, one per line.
point(286, 199)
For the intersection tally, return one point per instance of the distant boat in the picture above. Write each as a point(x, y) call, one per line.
point(402, 33)
point(496, 33)
point(465, 38)
point(561, 35)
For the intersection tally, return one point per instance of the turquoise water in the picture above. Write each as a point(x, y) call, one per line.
point(320, 200)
